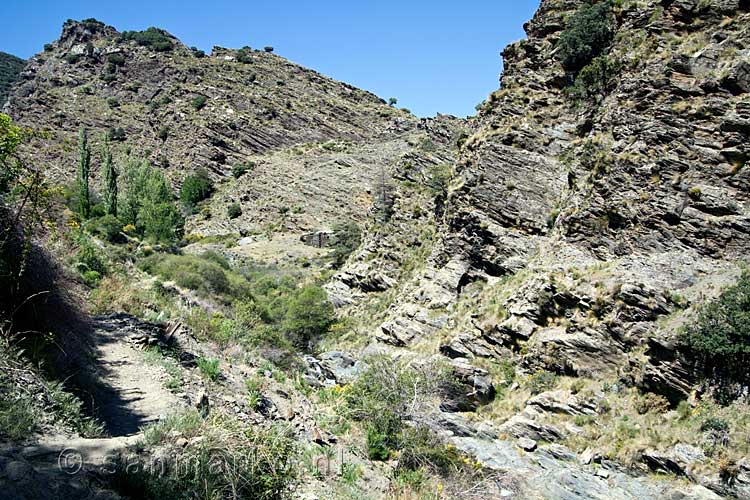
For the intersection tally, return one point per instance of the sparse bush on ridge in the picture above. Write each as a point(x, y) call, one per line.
point(153, 38)
point(244, 55)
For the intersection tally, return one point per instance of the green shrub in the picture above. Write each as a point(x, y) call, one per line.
point(87, 257)
point(108, 77)
point(18, 418)
point(714, 424)
point(216, 258)
point(386, 394)
point(158, 103)
point(91, 278)
point(438, 177)
point(153, 38)
point(254, 386)
point(683, 410)
point(198, 102)
point(195, 188)
point(268, 48)
point(108, 228)
point(423, 449)
point(377, 447)
point(651, 403)
point(113, 102)
point(230, 461)
point(595, 79)
point(197, 52)
point(541, 381)
point(36, 402)
point(189, 271)
point(116, 59)
point(240, 169)
point(587, 34)
point(163, 133)
point(234, 210)
point(719, 341)
point(209, 368)
point(116, 134)
point(73, 58)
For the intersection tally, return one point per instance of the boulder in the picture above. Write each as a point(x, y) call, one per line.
point(677, 460)
point(563, 402)
point(470, 388)
point(526, 444)
point(737, 80)
point(521, 426)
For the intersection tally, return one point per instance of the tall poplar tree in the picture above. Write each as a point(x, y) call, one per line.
point(84, 169)
point(109, 174)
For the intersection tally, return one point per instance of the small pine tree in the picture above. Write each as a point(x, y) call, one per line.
point(109, 175)
point(84, 167)
point(384, 196)
point(392, 101)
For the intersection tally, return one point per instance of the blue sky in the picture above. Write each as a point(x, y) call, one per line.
point(434, 56)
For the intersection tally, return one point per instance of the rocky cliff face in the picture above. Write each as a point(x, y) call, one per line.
point(580, 234)
point(649, 182)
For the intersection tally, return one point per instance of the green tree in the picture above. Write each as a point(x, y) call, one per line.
point(11, 136)
point(84, 168)
point(587, 34)
point(149, 203)
point(195, 188)
point(392, 101)
point(109, 174)
point(720, 339)
point(309, 315)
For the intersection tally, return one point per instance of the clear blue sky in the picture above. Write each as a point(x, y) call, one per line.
point(434, 56)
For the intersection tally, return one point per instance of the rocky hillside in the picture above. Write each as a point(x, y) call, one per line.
point(513, 320)
point(310, 140)
point(10, 68)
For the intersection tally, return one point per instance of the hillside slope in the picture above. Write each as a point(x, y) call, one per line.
point(185, 111)
point(10, 68)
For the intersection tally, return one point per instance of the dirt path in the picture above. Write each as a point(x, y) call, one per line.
point(130, 392)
